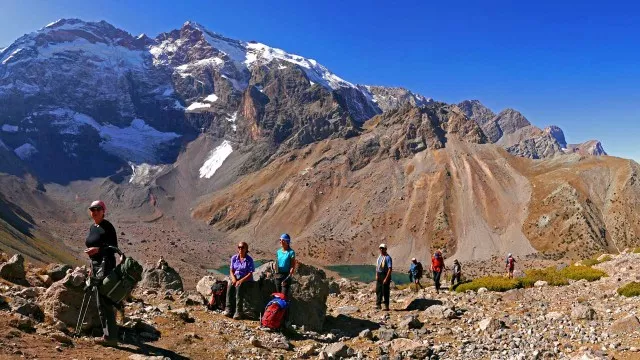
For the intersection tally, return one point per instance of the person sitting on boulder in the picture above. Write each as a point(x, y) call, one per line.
point(457, 273)
point(240, 272)
point(415, 272)
point(100, 242)
point(285, 265)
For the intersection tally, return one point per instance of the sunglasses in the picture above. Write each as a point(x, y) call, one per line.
point(95, 209)
point(240, 247)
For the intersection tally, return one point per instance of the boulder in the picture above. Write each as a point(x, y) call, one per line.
point(308, 295)
point(163, 278)
point(554, 316)
point(582, 312)
point(57, 272)
point(625, 325)
point(13, 270)
point(346, 310)
point(63, 299)
point(439, 312)
point(540, 283)
point(491, 325)
point(401, 345)
point(22, 323)
point(386, 334)
point(410, 322)
point(27, 308)
point(205, 284)
point(31, 292)
point(337, 350)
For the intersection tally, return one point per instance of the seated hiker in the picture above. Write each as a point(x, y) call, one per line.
point(457, 273)
point(240, 272)
point(415, 272)
point(285, 265)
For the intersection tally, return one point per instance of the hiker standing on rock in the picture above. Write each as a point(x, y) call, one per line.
point(285, 265)
point(100, 242)
point(240, 272)
point(457, 273)
point(383, 277)
point(437, 265)
point(415, 272)
point(510, 264)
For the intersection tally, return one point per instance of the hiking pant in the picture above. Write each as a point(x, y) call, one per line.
point(382, 290)
point(235, 297)
point(454, 278)
point(107, 313)
point(283, 288)
point(436, 279)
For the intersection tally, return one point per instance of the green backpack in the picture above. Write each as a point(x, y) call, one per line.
point(119, 284)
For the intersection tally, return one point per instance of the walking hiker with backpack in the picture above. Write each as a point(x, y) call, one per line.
point(457, 273)
point(240, 273)
point(437, 266)
point(383, 277)
point(510, 264)
point(415, 272)
point(285, 265)
point(102, 244)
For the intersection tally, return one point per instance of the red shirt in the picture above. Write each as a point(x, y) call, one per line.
point(437, 264)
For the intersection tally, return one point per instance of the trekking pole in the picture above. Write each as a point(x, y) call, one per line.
point(86, 301)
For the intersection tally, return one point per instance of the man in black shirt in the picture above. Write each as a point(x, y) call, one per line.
point(100, 240)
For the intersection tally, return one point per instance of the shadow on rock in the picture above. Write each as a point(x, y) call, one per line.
point(422, 304)
point(348, 325)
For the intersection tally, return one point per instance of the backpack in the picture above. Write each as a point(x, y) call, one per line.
point(420, 270)
point(274, 312)
point(118, 285)
point(510, 262)
point(218, 296)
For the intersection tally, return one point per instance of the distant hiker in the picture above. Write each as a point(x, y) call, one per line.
point(240, 273)
point(437, 265)
point(383, 277)
point(285, 265)
point(415, 272)
point(101, 240)
point(457, 273)
point(509, 265)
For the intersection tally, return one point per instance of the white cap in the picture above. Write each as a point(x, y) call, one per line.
point(413, 259)
point(383, 245)
point(509, 254)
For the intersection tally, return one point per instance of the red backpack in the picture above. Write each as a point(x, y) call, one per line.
point(218, 295)
point(274, 312)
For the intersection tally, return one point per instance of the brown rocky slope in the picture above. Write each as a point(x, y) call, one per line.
point(422, 178)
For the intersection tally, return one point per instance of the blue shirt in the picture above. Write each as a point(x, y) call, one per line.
point(241, 267)
point(383, 264)
point(284, 258)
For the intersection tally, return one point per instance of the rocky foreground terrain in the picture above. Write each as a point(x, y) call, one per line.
point(583, 320)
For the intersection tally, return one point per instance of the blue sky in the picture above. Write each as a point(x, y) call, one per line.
point(575, 64)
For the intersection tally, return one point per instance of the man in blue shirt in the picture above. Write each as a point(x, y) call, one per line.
point(240, 272)
point(285, 265)
point(383, 277)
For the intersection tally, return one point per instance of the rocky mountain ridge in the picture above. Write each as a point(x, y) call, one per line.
point(514, 132)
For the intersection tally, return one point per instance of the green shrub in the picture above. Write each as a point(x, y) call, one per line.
point(552, 276)
point(636, 250)
point(492, 283)
point(582, 272)
point(595, 261)
point(629, 290)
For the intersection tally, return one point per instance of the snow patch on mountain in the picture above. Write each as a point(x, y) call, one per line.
point(25, 151)
point(9, 128)
point(197, 106)
point(138, 142)
point(143, 174)
point(232, 119)
point(100, 54)
point(211, 98)
point(215, 159)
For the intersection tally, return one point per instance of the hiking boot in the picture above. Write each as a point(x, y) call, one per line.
point(386, 308)
point(237, 316)
point(378, 307)
point(105, 342)
point(228, 313)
